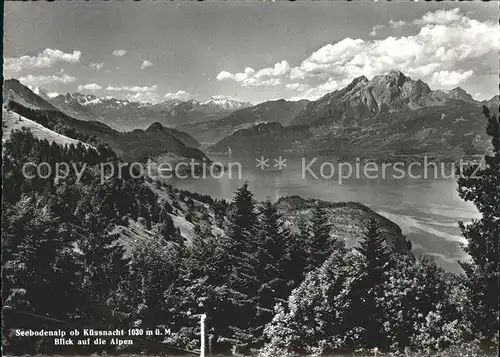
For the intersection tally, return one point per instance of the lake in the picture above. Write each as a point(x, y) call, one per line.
point(426, 206)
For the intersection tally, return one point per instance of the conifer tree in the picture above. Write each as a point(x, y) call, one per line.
point(105, 267)
point(296, 254)
point(154, 268)
point(200, 288)
point(242, 226)
point(377, 263)
point(240, 252)
point(272, 240)
point(319, 243)
point(482, 187)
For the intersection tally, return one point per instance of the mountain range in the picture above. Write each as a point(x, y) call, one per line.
point(125, 115)
point(277, 111)
point(388, 116)
point(261, 139)
point(388, 93)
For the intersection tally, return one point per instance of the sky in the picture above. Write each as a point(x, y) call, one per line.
point(154, 51)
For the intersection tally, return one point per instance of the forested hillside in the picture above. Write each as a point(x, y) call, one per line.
point(278, 278)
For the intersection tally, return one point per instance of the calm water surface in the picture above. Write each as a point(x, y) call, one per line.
point(426, 209)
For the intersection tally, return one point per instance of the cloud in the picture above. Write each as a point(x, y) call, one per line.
point(44, 80)
point(45, 59)
point(223, 75)
point(330, 85)
point(133, 89)
point(447, 49)
point(375, 28)
point(179, 95)
point(440, 17)
point(89, 87)
point(450, 79)
point(138, 93)
point(97, 65)
point(297, 73)
point(255, 82)
point(146, 64)
point(279, 69)
point(119, 53)
point(266, 77)
point(149, 97)
point(451, 53)
point(52, 94)
point(396, 24)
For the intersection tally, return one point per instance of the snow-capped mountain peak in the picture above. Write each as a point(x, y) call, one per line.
point(44, 93)
point(82, 99)
point(225, 103)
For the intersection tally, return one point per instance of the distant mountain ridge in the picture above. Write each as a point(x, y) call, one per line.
point(70, 105)
point(137, 145)
point(44, 94)
point(193, 111)
point(390, 114)
point(123, 114)
point(386, 116)
point(460, 94)
point(279, 111)
point(15, 91)
point(225, 103)
point(261, 139)
point(363, 98)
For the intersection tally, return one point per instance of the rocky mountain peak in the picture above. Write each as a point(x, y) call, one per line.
point(399, 77)
point(43, 93)
point(460, 94)
point(362, 98)
point(393, 78)
point(360, 79)
point(80, 98)
point(18, 92)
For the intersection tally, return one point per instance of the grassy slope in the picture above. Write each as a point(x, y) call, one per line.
point(12, 121)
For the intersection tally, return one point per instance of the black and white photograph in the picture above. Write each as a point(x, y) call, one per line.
point(250, 178)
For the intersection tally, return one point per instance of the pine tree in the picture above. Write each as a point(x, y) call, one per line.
point(242, 226)
point(105, 268)
point(319, 243)
point(296, 254)
point(154, 268)
point(240, 252)
point(272, 240)
point(200, 288)
point(482, 187)
point(205, 257)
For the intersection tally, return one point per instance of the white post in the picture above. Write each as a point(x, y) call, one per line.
point(202, 334)
point(210, 344)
